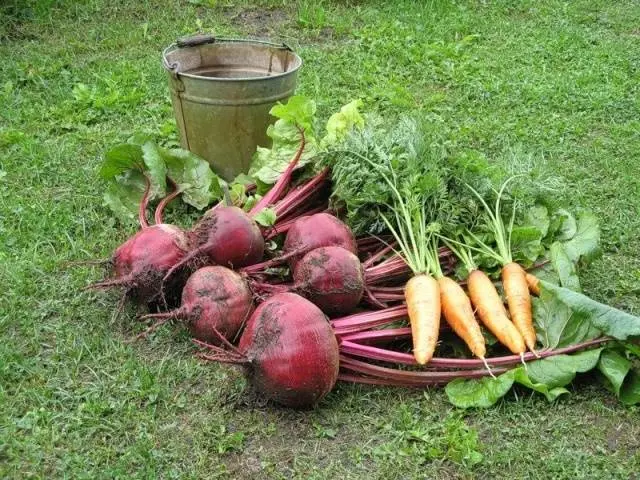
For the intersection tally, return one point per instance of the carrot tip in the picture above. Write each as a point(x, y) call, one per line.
point(486, 365)
point(523, 361)
point(535, 354)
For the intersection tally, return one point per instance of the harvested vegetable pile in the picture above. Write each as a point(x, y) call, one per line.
point(369, 253)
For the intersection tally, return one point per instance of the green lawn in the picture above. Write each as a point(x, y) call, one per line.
point(555, 80)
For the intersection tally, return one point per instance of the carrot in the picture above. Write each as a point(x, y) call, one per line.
point(458, 313)
point(517, 292)
point(492, 313)
point(422, 295)
point(533, 282)
point(513, 276)
point(417, 245)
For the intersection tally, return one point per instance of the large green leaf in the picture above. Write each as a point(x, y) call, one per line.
point(156, 169)
point(560, 370)
point(615, 368)
point(562, 226)
point(559, 326)
point(526, 243)
point(538, 216)
point(340, 123)
point(630, 392)
point(548, 376)
point(563, 265)
point(482, 393)
point(551, 393)
point(123, 197)
point(121, 158)
point(193, 175)
point(586, 240)
point(608, 320)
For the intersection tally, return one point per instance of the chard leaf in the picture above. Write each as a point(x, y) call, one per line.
point(265, 217)
point(560, 370)
point(298, 110)
point(199, 185)
point(562, 226)
point(479, 393)
point(565, 268)
point(538, 216)
point(585, 242)
point(630, 392)
point(156, 169)
point(121, 158)
point(615, 368)
point(340, 123)
point(485, 392)
point(608, 320)
point(269, 163)
point(526, 243)
point(551, 393)
point(124, 195)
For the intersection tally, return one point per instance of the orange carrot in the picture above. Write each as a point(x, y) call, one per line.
point(422, 295)
point(534, 284)
point(492, 313)
point(519, 301)
point(457, 310)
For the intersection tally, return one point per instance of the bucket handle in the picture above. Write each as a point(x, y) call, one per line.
point(205, 38)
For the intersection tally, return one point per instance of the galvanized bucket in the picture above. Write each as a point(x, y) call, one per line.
point(222, 90)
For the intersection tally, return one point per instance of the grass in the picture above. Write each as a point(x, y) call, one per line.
point(558, 80)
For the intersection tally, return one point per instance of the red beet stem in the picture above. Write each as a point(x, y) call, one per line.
point(364, 321)
point(142, 211)
point(375, 353)
point(280, 186)
point(377, 256)
point(301, 194)
point(165, 201)
point(377, 336)
point(353, 378)
point(410, 377)
point(373, 300)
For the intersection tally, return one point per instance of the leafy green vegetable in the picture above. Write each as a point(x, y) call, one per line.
point(199, 185)
point(584, 244)
point(615, 368)
point(560, 370)
point(481, 393)
point(557, 325)
point(125, 167)
point(565, 268)
point(299, 112)
point(265, 217)
point(538, 216)
point(341, 123)
point(608, 320)
point(548, 376)
point(124, 195)
point(630, 391)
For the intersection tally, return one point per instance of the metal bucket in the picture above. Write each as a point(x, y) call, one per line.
point(222, 91)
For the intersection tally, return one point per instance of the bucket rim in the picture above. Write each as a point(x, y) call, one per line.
point(173, 68)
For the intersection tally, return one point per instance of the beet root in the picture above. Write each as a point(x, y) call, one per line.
point(229, 237)
point(140, 264)
point(216, 301)
point(314, 231)
point(332, 278)
point(289, 351)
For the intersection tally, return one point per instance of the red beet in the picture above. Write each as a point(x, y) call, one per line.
point(332, 278)
point(225, 236)
point(289, 351)
point(141, 262)
point(215, 301)
point(314, 231)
